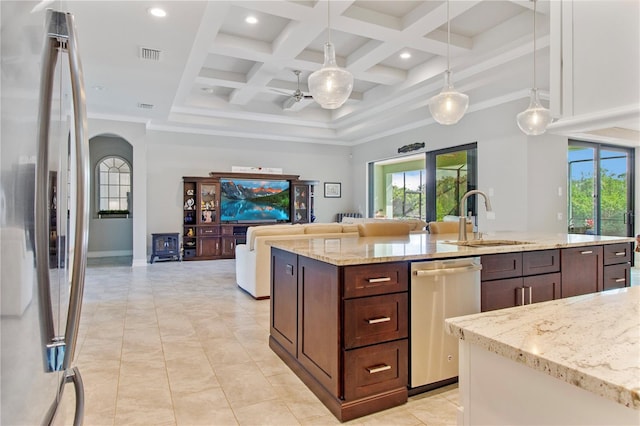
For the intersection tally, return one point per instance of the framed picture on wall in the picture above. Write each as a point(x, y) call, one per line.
point(332, 190)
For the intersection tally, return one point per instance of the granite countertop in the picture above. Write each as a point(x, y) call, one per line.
point(423, 246)
point(590, 341)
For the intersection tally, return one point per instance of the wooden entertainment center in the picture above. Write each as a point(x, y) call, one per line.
point(209, 233)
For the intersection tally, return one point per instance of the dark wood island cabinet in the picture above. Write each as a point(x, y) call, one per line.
point(516, 279)
point(340, 318)
point(343, 330)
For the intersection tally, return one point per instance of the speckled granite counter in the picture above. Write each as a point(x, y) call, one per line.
point(356, 251)
point(590, 341)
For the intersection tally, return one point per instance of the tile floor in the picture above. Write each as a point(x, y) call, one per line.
point(178, 343)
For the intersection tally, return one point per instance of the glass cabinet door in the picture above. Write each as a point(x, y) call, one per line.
point(208, 203)
point(301, 201)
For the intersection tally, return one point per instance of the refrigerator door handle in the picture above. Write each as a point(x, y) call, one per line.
point(59, 351)
point(72, 375)
point(53, 350)
point(82, 194)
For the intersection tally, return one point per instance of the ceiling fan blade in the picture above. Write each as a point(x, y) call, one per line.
point(280, 92)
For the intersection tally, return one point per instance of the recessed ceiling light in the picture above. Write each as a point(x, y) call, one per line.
point(157, 12)
point(405, 55)
point(251, 20)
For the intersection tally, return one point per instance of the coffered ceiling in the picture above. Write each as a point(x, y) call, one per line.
point(204, 69)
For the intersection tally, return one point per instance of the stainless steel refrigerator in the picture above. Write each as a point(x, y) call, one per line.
point(43, 213)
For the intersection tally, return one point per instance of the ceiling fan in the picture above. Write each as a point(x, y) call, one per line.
point(298, 95)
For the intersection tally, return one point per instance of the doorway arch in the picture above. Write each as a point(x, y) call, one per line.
point(110, 235)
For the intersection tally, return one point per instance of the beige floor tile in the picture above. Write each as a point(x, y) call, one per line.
point(156, 348)
point(272, 365)
point(204, 407)
point(224, 351)
point(244, 384)
point(434, 411)
point(191, 374)
point(274, 413)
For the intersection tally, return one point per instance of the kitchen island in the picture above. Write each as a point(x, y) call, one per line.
point(339, 306)
point(568, 361)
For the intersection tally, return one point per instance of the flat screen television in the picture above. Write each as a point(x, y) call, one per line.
point(254, 200)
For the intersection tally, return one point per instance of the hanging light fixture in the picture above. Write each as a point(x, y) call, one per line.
point(331, 85)
point(449, 105)
point(535, 119)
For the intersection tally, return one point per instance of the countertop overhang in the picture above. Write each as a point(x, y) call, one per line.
point(422, 246)
point(590, 341)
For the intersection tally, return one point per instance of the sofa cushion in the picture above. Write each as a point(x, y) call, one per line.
point(349, 227)
point(322, 228)
point(382, 229)
point(415, 224)
point(268, 230)
point(355, 220)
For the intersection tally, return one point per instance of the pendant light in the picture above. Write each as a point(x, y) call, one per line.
point(331, 85)
point(535, 119)
point(449, 105)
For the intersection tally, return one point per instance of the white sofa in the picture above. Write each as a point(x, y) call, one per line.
point(253, 259)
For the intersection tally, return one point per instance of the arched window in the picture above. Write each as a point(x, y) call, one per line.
point(114, 185)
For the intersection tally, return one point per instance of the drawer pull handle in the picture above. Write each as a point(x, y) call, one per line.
point(378, 320)
point(379, 280)
point(587, 252)
point(378, 368)
point(621, 253)
point(620, 280)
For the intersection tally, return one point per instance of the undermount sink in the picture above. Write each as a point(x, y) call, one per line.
point(488, 243)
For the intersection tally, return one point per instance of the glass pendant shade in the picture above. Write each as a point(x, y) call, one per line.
point(331, 85)
point(535, 119)
point(449, 105)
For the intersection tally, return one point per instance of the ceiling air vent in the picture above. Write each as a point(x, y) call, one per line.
point(144, 106)
point(149, 54)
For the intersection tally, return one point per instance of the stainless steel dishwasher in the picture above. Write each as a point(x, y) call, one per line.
point(439, 289)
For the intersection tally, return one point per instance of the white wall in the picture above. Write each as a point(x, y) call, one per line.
point(605, 69)
point(547, 183)
point(594, 61)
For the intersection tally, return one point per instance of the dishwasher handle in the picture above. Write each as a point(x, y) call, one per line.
point(447, 271)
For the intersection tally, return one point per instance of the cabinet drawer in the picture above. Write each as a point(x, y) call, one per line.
point(617, 276)
point(376, 319)
point(540, 262)
point(374, 279)
point(376, 369)
point(617, 253)
point(208, 231)
point(500, 294)
point(498, 266)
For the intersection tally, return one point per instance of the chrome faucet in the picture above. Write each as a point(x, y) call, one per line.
point(462, 224)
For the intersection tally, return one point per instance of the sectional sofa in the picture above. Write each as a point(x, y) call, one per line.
point(253, 259)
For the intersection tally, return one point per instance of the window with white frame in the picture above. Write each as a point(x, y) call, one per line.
point(114, 185)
